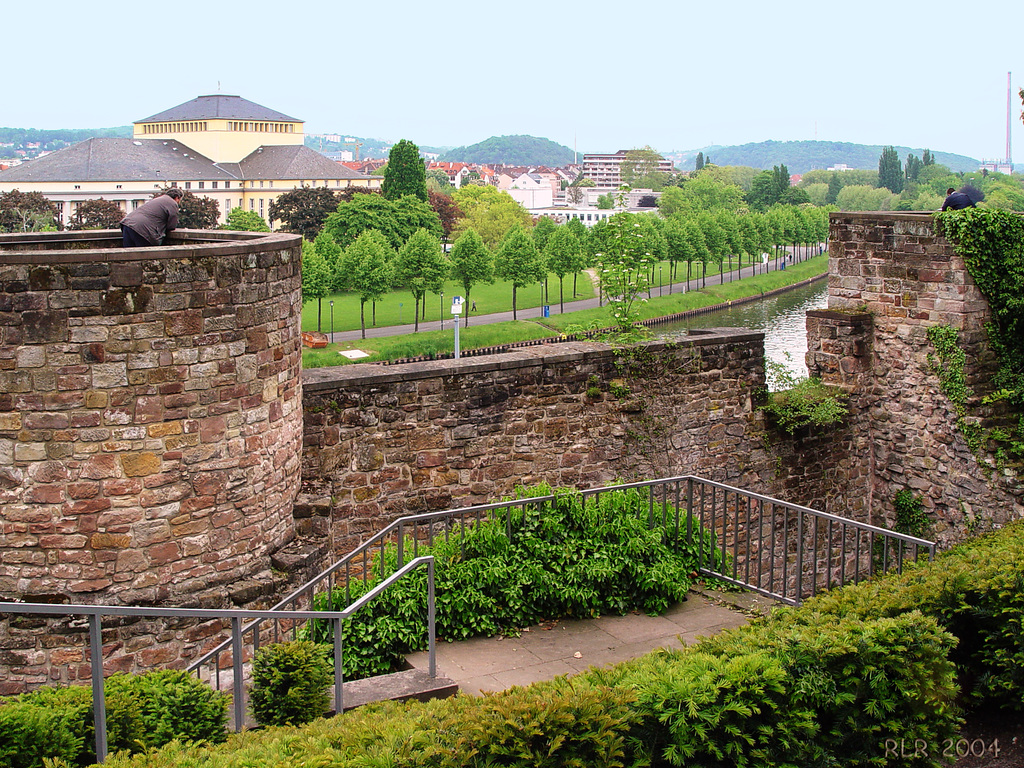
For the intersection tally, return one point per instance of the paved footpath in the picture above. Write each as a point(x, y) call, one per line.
point(566, 647)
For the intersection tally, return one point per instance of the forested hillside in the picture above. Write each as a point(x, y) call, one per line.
point(14, 139)
point(512, 150)
point(803, 156)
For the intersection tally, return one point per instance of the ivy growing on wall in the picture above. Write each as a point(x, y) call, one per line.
point(991, 243)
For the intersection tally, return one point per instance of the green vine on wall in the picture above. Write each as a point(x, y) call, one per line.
point(991, 243)
point(949, 363)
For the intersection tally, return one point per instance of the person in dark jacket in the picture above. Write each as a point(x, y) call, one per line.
point(957, 200)
point(150, 222)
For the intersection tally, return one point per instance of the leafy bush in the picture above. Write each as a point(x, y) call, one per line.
point(173, 704)
point(802, 402)
point(143, 711)
point(570, 728)
point(567, 558)
point(976, 592)
point(290, 682)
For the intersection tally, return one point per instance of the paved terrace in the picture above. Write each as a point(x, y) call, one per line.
point(566, 647)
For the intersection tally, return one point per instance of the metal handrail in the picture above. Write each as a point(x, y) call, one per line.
point(397, 531)
point(96, 612)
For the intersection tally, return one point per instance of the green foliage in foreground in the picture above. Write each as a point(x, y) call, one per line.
point(289, 683)
point(567, 557)
point(826, 684)
point(144, 712)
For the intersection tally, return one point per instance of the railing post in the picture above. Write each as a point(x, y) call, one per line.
point(799, 556)
point(431, 644)
point(99, 704)
point(237, 689)
point(339, 671)
point(400, 544)
point(689, 519)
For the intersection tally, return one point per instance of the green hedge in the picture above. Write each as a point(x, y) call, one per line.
point(976, 592)
point(570, 557)
point(143, 712)
point(778, 694)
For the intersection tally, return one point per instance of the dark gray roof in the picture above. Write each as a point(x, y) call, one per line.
point(110, 159)
point(219, 106)
point(293, 162)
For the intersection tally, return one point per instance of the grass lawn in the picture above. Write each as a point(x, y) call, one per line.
point(440, 342)
point(397, 307)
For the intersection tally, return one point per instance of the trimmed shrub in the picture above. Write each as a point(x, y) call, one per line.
point(976, 592)
point(290, 682)
point(143, 712)
point(173, 704)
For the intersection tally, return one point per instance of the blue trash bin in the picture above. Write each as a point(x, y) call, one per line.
point(547, 310)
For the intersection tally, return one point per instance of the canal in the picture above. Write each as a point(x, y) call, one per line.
point(781, 317)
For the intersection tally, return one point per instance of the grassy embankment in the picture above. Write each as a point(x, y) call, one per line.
point(439, 342)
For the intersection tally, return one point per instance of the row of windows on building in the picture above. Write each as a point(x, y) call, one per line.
point(202, 125)
point(76, 204)
point(174, 127)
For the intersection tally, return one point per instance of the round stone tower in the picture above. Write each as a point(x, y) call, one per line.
point(150, 413)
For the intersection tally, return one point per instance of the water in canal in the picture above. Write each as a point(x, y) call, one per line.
point(781, 317)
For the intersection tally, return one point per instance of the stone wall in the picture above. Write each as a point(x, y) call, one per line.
point(384, 441)
point(150, 419)
point(890, 279)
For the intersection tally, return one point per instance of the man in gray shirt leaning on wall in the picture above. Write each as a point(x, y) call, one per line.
point(150, 222)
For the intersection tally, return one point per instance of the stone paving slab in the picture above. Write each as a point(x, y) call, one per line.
point(566, 647)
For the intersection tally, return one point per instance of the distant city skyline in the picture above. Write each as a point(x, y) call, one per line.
point(596, 75)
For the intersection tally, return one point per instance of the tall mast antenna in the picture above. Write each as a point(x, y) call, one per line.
point(1009, 157)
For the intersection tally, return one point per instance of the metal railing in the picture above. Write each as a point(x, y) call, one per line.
point(782, 550)
point(235, 644)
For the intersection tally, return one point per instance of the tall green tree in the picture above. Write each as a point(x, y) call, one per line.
point(331, 253)
point(369, 270)
point(625, 265)
point(698, 246)
point(714, 236)
point(640, 168)
point(304, 210)
point(890, 170)
point(421, 266)
point(241, 220)
point(563, 254)
point(577, 228)
point(542, 231)
point(316, 278)
point(834, 185)
point(518, 262)
point(699, 163)
point(679, 247)
point(472, 263)
point(491, 212)
point(405, 174)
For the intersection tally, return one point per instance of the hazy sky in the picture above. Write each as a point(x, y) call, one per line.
point(607, 75)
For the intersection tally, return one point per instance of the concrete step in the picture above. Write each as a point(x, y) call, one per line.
point(398, 686)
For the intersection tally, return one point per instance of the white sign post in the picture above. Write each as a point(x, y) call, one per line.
point(456, 313)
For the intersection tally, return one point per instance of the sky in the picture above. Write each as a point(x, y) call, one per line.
point(595, 75)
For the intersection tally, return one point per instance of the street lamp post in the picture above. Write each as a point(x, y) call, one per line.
point(442, 310)
point(661, 285)
point(332, 321)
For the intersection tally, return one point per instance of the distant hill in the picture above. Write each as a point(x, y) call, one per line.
point(803, 156)
point(512, 150)
point(48, 140)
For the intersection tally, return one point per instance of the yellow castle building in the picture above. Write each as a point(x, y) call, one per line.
point(223, 147)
